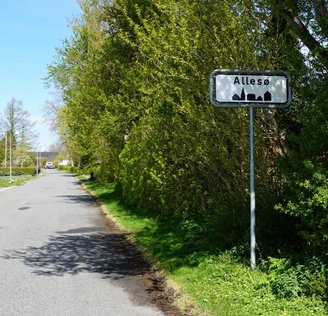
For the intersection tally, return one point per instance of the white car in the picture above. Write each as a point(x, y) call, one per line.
point(49, 165)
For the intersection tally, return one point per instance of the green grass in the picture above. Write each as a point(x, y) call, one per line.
point(222, 286)
point(216, 278)
point(5, 182)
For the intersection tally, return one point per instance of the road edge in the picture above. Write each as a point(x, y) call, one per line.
point(163, 292)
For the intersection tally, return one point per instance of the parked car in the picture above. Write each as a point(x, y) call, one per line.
point(49, 165)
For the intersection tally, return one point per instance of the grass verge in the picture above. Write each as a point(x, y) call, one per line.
point(5, 181)
point(215, 279)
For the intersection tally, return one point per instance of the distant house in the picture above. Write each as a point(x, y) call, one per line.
point(64, 162)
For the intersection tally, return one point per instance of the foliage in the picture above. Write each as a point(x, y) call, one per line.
point(309, 203)
point(308, 21)
point(142, 117)
point(172, 154)
point(289, 279)
point(16, 128)
point(134, 80)
point(306, 170)
point(17, 171)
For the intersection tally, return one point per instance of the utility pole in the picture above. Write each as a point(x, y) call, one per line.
point(10, 158)
point(6, 140)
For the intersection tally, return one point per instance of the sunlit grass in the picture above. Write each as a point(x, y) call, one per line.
point(222, 286)
point(6, 182)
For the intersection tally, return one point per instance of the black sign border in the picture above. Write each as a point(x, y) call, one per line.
point(236, 104)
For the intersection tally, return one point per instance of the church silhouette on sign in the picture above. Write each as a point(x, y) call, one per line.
point(252, 97)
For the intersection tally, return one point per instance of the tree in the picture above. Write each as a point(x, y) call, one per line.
point(19, 132)
point(135, 63)
point(303, 30)
point(134, 80)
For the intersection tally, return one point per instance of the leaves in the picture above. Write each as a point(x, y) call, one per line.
point(135, 78)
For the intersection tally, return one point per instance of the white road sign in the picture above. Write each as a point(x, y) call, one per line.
point(237, 88)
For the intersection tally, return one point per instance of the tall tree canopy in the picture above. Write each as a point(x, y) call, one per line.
point(134, 77)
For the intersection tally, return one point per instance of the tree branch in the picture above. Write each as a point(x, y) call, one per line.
point(303, 33)
point(321, 13)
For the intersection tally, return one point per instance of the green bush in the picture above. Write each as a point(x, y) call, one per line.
point(308, 203)
point(18, 171)
point(290, 279)
point(305, 167)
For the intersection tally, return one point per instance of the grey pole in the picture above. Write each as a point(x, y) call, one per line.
point(37, 163)
point(6, 145)
point(10, 158)
point(252, 187)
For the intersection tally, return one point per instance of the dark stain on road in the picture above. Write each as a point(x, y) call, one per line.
point(23, 208)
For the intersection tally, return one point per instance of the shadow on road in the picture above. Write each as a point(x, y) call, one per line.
point(68, 175)
point(70, 253)
point(81, 198)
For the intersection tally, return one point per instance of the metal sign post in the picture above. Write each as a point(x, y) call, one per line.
point(250, 89)
point(252, 187)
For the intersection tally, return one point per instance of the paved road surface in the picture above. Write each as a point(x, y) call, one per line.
point(57, 257)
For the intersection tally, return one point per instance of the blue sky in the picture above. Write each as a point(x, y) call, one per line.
point(30, 31)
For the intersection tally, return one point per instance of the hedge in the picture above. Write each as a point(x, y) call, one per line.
point(18, 171)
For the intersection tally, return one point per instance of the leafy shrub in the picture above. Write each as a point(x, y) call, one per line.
point(309, 203)
point(18, 171)
point(165, 167)
point(289, 280)
point(305, 167)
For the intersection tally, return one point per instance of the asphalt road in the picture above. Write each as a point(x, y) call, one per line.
point(57, 256)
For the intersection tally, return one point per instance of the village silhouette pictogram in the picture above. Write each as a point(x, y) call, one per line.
point(252, 96)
